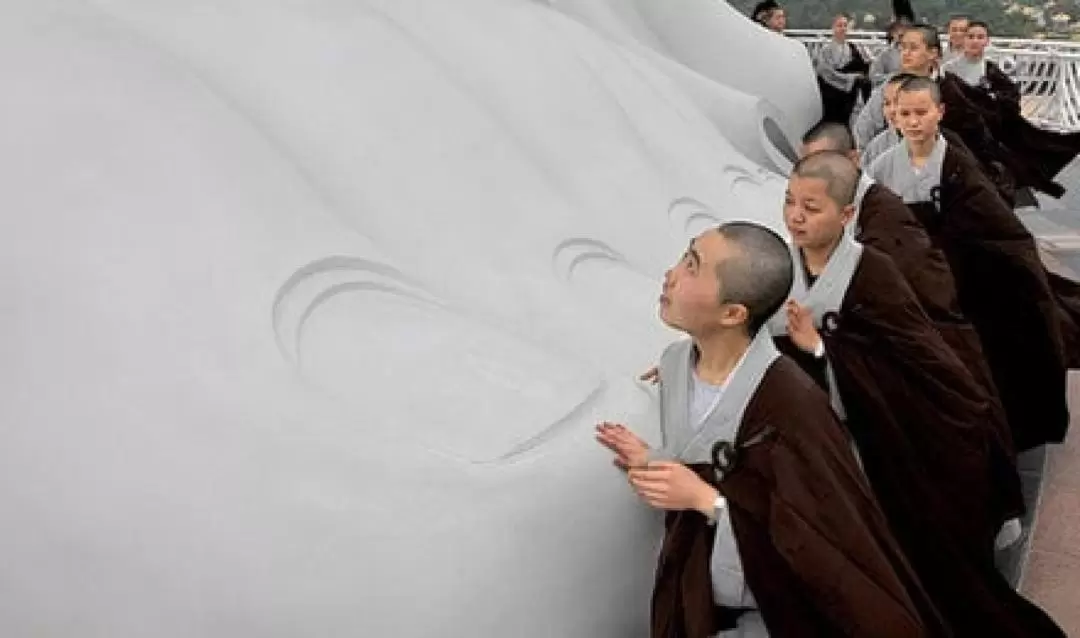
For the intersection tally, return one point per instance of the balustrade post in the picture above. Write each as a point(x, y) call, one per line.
point(1060, 101)
point(1033, 74)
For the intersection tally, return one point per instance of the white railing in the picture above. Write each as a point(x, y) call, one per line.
point(1047, 72)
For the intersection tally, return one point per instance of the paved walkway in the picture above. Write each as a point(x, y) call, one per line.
point(1052, 575)
point(1049, 573)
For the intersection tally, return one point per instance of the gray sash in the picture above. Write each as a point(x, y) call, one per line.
point(901, 178)
point(972, 73)
point(823, 297)
point(881, 143)
point(681, 440)
point(689, 445)
point(865, 182)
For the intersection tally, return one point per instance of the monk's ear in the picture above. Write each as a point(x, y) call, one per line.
point(854, 156)
point(734, 314)
point(847, 213)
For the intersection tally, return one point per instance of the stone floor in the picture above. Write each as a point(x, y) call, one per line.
point(1014, 560)
point(1051, 576)
point(1047, 564)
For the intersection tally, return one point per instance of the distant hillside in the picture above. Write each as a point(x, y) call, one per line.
point(1005, 19)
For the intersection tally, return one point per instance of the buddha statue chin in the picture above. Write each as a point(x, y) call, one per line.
point(312, 307)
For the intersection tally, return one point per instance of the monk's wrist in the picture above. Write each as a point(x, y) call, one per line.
point(707, 502)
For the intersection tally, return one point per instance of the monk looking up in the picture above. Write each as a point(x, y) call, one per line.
point(771, 528)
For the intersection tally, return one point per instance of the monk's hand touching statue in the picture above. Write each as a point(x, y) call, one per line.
point(630, 451)
point(652, 375)
point(673, 486)
point(801, 328)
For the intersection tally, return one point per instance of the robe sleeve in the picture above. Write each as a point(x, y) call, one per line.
point(879, 168)
point(819, 556)
point(1005, 292)
point(1005, 91)
point(828, 70)
point(838, 551)
point(895, 364)
point(889, 226)
point(896, 319)
point(725, 565)
point(871, 120)
point(874, 149)
point(878, 71)
point(964, 118)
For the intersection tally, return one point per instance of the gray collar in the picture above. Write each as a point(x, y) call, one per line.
point(682, 441)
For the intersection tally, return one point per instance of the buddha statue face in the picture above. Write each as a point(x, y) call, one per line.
point(314, 308)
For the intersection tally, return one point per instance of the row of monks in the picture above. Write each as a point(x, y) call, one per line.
point(840, 431)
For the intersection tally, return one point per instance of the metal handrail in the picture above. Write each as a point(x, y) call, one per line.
point(1046, 71)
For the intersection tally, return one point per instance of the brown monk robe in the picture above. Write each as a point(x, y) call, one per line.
point(1007, 170)
point(996, 99)
point(774, 491)
point(841, 73)
point(786, 538)
point(1010, 167)
point(1029, 154)
point(882, 221)
point(916, 414)
point(1002, 285)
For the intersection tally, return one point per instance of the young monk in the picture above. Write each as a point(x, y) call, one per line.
point(997, 99)
point(841, 72)
point(871, 119)
point(957, 30)
point(1025, 157)
point(890, 137)
point(1002, 285)
point(971, 65)
point(771, 528)
point(882, 221)
point(887, 62)
point(915, 59)
point(912, 408)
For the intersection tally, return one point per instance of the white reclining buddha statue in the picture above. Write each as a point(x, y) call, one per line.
point(310, 308)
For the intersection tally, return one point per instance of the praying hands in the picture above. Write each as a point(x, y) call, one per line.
point(630, 450)
point(801, 327)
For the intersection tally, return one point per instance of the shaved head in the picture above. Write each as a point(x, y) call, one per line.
point(929, 35)
point(831, 136)
point(757, 274)
point(900, 78)
point(836, 169)
point(917, 83)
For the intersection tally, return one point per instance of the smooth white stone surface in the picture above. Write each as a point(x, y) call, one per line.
point(310, 307)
